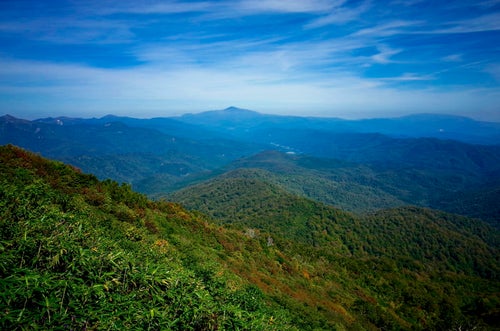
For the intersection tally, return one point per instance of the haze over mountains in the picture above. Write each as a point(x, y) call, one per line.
point(334, 162)
point(360, 166)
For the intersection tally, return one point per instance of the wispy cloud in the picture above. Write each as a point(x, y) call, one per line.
point(65, 30)
point(321, 54)
point(490, 22)
point(390, 28)
point(150, 89)
point(488, 3)
point(216, 8)
point(339, 15)
point(453, 58)
point(384, 54)
point(109, 7)
point(289, 6)
point(408, 77)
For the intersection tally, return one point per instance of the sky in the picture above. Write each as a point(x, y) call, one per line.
point(336, 58)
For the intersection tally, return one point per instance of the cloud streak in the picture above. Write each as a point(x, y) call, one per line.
point(320, 56)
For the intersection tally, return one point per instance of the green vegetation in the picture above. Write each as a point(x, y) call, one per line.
point(345, 185)
point(429, 236)
point(79, 253)
point(362, 188)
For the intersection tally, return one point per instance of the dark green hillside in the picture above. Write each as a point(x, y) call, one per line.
point(362, 188)
point(78, 253)
point(345, 185)
point(396, 233)
point(248, 202)
point(483, 204)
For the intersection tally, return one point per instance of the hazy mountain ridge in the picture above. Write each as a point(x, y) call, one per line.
point(356, 171)
point(242, 121)
point(81, 253)
point(119, 151)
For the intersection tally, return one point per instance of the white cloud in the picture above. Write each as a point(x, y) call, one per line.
point(489, 22)
point(286, 6)
point(109, 7)
point(453, 58)
point(408, 77)
point(339, 15)
point(151, 91)
point(390, 28)
point(384, 54)
point(215, 9)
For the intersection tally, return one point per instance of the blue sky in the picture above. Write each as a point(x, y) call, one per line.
point(350, 59)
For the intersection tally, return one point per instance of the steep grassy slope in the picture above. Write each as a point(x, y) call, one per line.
point(83, 254)
point(78, 253)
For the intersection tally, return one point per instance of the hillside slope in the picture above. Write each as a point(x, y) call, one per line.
point(83, 254)
point(394, 233)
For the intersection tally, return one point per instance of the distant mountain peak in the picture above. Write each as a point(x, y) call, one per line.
point(110, 117)
point(233, 108)
point(236, 110)
point(223, 117)
point(8, 117)
point(11, 119)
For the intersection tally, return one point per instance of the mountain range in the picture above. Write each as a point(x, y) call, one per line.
point(442, 162)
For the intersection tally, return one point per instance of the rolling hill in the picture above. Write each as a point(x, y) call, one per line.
point(404, 232)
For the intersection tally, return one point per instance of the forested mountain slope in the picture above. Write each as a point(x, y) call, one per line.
point(406, 232)
point(83, 254)
point(362, 188)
